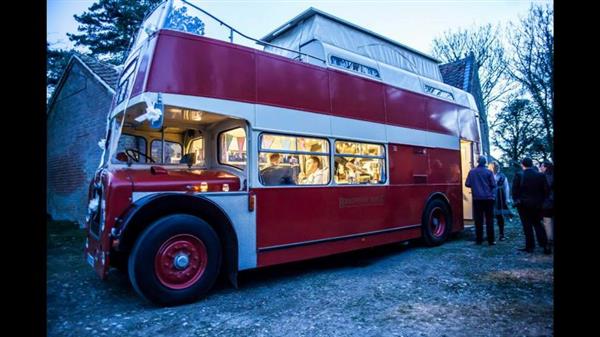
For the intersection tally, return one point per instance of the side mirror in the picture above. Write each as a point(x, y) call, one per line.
point(122, 156)
point(189, 159)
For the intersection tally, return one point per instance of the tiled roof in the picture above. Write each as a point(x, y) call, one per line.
point(458, 73)
point(106, 71)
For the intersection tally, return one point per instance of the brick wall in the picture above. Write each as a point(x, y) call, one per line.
point(76, 122)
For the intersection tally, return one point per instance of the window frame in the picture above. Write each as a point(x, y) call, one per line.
point(327, 154)
point(430, 89)
point(331, 56)
point(189, 146)
point(383, 156)
point(219, 148)
point(131, 135)
point(124, 82)
point(166, 141)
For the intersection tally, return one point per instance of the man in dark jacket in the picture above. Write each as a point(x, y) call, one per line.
point(482, 183)
point(529, 192)
point(276, 174)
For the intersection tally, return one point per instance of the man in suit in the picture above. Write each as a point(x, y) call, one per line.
point(529, 192)
point(277, 174)
point(482, 183)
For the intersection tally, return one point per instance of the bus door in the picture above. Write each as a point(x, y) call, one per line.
point(466, 160)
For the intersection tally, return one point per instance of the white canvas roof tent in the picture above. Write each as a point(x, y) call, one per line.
point(323, 35)
point(315, 25)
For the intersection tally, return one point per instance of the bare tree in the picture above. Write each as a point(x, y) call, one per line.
point(518, 131)
point(490, 61)
point(532, 63)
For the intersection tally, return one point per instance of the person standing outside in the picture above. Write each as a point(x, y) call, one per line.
point(529, 191)
point(502, 198)
point(482, 183)
point(547, 168)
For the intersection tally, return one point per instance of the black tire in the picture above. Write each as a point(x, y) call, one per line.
point(169, 232)
point(436, 210)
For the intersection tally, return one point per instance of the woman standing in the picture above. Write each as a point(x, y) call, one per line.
point(502, 198)
point(547, 168)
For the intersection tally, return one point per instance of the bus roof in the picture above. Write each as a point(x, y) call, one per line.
point(314, 11)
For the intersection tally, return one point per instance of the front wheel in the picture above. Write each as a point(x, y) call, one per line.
point(176, 260)
point(437, 223)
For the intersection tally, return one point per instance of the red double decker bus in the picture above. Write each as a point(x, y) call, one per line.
point(222, 157)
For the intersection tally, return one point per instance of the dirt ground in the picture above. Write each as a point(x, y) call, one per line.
point(457, 289)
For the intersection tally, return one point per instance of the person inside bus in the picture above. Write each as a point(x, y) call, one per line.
point(359, 170)
point(277, 174)
point(316, 148)
point(341, 172)
point(314, 175)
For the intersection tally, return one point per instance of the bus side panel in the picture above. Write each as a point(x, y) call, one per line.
point(404, 207)
point(404, 108)
point(144, 60)
point(407, 203)
point(202, 67)
point(301, 214)
point(408, 164)
point(444, 167)
point(456, 204)
point(356, 97)
point(329, 248)
point(437, 168)
point(442, 117)
point(287, 83)
point(468, 125)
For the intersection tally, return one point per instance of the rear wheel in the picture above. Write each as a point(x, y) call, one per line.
point(437, 223)
point(176, 260)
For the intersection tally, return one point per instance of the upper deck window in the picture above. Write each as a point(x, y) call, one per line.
point(185, 19)
point(151, 24)
point(439, 92)
point(356, 67)
point(188, 18)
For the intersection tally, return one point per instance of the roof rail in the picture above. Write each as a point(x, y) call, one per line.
point(257, 41)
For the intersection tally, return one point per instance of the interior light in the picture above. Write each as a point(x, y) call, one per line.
point(195, 115)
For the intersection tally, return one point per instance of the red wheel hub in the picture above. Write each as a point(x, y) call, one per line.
point(437, 222)
point(180, 261)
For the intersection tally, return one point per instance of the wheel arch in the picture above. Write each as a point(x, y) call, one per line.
point(151, 208)
point(437, 196)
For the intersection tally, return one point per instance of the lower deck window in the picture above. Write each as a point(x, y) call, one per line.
point(359, 163)
point(134, 145)
point(289, 160)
